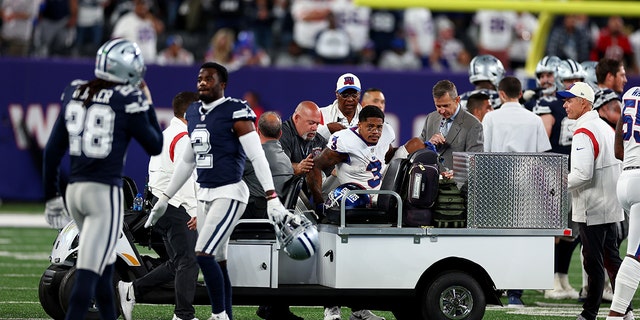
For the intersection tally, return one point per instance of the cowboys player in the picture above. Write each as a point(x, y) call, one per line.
point(222, 137)
point(485, 72)
point(96, 123)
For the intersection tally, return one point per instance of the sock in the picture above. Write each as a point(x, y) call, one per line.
point(104, 294)
point(227, 290)
point(215, 282)
point(626, 284)
point(83, 290)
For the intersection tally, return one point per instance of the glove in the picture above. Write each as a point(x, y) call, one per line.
point(55, 213)
point(528, 95)
point(157, 211)
point(276, 211)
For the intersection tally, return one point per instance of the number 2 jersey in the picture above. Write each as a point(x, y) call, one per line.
point(365, 163)
point(98, 135)
point(219, 156)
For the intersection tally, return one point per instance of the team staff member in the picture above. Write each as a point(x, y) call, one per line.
point(628, 150)
point(96, 123)
point(178, 228)
point(300, 139)
point(343, 112)
point(222, 138)
point(594, 173)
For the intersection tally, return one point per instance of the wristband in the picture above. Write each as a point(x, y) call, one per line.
point(272, 196)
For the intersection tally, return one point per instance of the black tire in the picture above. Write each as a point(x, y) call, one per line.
point(453, 295)
point(66, 285)
point(48, 291)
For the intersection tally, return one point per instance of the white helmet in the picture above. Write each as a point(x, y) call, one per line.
point(548, 64)
point(298, 236)
point(590, 73)
point(120, 61)
point(486, 67)
point(568, 69)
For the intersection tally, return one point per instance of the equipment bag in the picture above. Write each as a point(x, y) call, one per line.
point(450, 209)
point(422, 187)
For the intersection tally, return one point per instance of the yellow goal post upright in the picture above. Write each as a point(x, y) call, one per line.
point(546, 9)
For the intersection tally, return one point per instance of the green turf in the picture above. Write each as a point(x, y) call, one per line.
point(24, 256)
point(22, 207)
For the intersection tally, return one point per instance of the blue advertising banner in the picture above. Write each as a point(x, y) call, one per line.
point(31, 89)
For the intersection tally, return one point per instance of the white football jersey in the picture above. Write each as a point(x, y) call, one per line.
point(307, 21)
point(630, 111)
point(496, 28)
point(355, 20)
point(365, 164)
point(418, 25)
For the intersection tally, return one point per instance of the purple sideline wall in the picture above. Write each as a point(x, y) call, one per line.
point(30, 103)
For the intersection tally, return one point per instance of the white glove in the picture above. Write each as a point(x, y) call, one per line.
point(276, 211)
point(157, 211)
point(55, 213)
point(528, 94)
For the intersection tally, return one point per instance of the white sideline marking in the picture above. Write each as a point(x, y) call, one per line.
point(23, 220)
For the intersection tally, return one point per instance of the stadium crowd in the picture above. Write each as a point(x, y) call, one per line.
point(305, 33)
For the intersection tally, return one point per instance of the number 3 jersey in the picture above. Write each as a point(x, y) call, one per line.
point(365, 163)
point(219, 156)
point(98, 134)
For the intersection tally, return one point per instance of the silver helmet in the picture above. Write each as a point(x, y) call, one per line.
point(298, 236)
point(569, 69)
point(120, 61)
point(548, 64)
point(486, 67)
point(590, 73)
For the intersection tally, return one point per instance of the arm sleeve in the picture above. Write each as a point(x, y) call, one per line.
point(253, 149)
point(145, 128)
point(184, 168)
point(582, 162)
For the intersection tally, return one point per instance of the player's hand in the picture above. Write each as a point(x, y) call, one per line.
point(528, 95)
point(157, 211)
point(276, 211)
point(55, 213)
point(192, 224)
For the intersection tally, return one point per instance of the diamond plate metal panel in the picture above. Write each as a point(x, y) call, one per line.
point(514, 190)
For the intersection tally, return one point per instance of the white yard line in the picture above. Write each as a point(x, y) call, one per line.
point(23, 220)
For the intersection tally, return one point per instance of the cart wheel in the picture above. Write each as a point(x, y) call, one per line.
point(48, 291)
point(454, 295)
point(66, 286)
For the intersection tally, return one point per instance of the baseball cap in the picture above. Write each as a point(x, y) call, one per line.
point(603, 97)
point(348, 81)
point(578, 89)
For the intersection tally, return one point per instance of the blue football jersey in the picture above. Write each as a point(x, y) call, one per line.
point(562, 129)
point(97, 135)
point(219, 156)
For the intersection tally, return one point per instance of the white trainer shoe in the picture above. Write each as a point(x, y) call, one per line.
point(629, 316)
point(127, 299)
point(219, 316)
point(364, 315)
point(332, 313)
point(178, 318)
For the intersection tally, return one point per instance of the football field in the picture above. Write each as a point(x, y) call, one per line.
point(25, 244)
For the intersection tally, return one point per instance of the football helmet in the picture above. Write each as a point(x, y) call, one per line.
point(590, 78)
point(568, 69)
point(352, 201)
point(120, 61)
point(486, 67)
point(297, 236)
point(547, 64)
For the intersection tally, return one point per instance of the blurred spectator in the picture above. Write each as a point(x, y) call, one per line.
point(221, 47)
point(494, 33)
point(253, 100)
point(18, 17)
point(142, 27)
point(294, 56)
point(634, 39)
point(420, 33)
point(367, 57)
point(384, 25)
point(332, 45)
point(282, 24)
point(526, 25)
point(55, 31)
point(309, 18)
point(171, 8)
point(354, 19)
point(398, 58)
point(568, 41)
point(613, 43)
point(449, 53)
point(247, 53)
point(90, 26)
point(227, 14)
point(175, 54)
point(261, 23)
